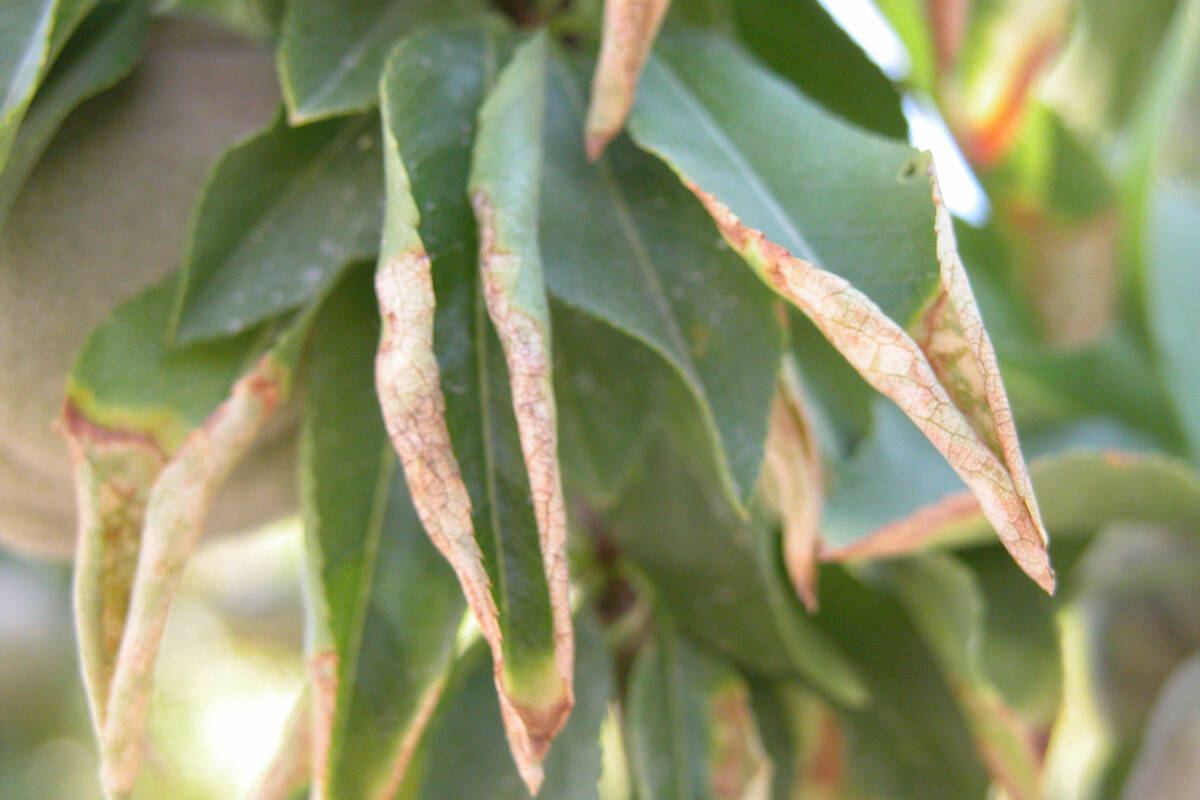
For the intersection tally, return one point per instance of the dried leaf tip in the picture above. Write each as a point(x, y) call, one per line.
point(969, 423)
point(174, 518)
point(793, 483)
point(630, 27)
point(414, 411)
point(952, 336)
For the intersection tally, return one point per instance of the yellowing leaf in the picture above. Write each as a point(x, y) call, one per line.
point(629, 30)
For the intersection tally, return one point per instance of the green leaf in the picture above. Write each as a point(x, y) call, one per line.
point(128, 377)
point(608, 388)
point(331, 53)
point(385, 605)
point(102, 52)
point(1173, 286)
point(33, 34)
point(463, 755)
point(283, 213)
point(719, 576)
point(649, 264)
point(860, 261)
point(24, 45)
point(946, 606)
point(799, 40)
point(911, 741)
point(1161, 771)
point(1019, 644)
point(692, 731)
point(1081, 491)
point(488, 529)
point(849, 202)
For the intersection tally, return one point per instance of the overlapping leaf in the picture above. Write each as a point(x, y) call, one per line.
point(1082, 491)
point(911, 740)
point(801, 42)
point(167, 425)
point(34, 32)
point(385, 606)
point(463, 755)
point(873, 264)
point(101, 53)
point(331, 53)
point(629, 30)
point(648, 264)
point(720, 576)
point(946, 606)
point(692, 732)
point(283, 213)
point(443, 383)
point(504, 189)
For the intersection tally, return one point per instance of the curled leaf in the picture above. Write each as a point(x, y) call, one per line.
point(174, 517)
point(505, 195)
point(409, 386)
point(466, 475)
point(793, 482)
point(629, 30)
point(114, 471)
point(942, 371)
point(895, 365)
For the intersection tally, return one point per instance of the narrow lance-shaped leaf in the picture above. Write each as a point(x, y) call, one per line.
point(443, 381)
point(692, 729)
point(174, 518)
point(793, 482)
point(283, 213)
point(104, 51)
point(32, 34)
point(504, 187)
point(733, 134)
point(946, 606)
point(1081, 491)
point(745, 608)
point(26, 40)
point(462, 754)
point(385, 607)
point(130, 403)
point(331, 53)
point(648, 265)
point(629, 30)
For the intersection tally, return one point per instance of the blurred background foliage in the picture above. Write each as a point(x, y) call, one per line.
point(1068, 138)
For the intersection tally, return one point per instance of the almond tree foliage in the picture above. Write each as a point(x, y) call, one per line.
point(644, 378)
